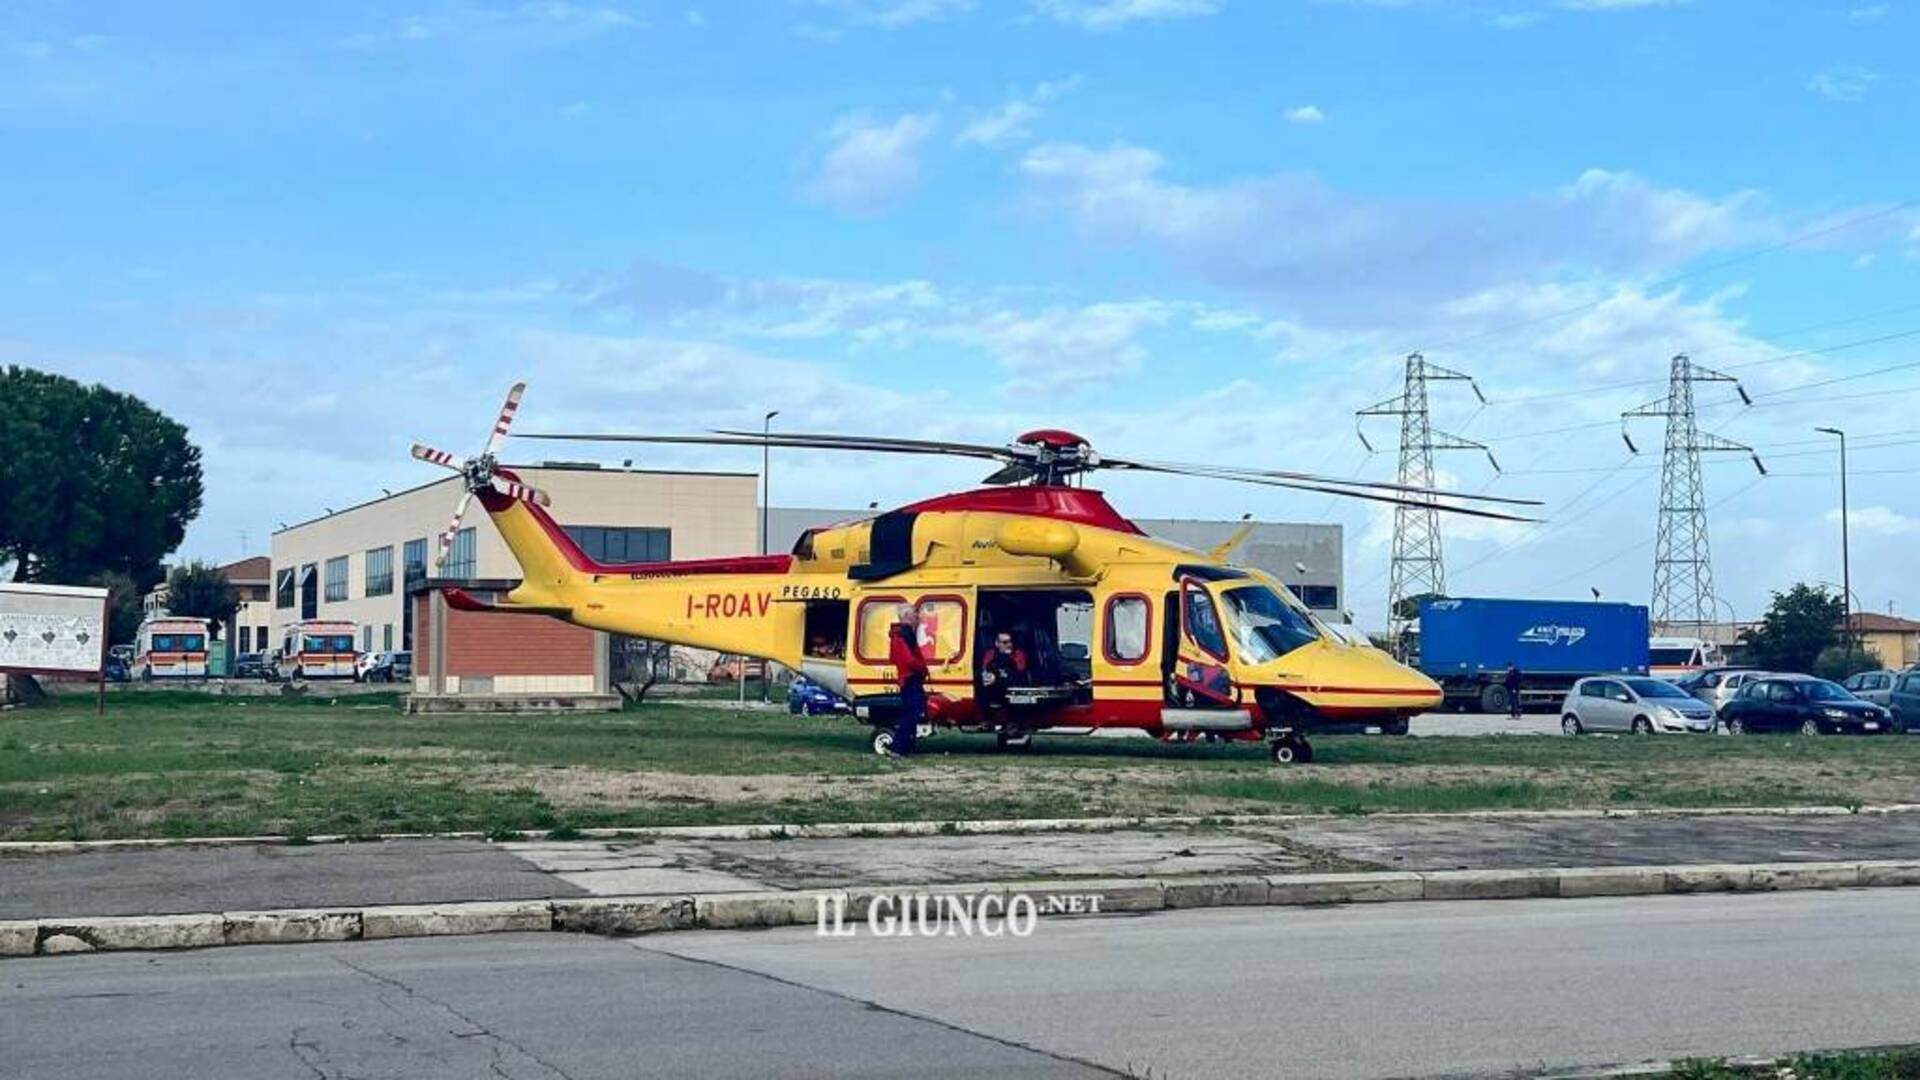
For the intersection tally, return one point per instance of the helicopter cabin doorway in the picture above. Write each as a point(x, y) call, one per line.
point(1051, 630)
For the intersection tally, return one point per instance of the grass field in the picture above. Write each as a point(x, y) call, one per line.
point(178, 764)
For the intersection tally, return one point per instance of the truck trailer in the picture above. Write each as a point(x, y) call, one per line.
point(1465, 645)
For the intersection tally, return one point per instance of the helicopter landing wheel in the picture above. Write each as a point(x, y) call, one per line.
point(883, 741)
point(1291, 750)
point(1013, 740)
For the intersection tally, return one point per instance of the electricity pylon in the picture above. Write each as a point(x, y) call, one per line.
point(1417, 569)
point(1682, 563)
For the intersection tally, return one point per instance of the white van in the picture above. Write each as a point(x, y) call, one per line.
point(1673, 658)
point(316, 649)
point(170, 648)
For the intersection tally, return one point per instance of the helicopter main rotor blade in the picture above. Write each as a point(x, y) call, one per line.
point(1102, 461)
point(1236, 472)
point(1397, 495)
point(878, 446)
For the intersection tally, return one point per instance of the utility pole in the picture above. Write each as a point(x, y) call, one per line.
point(1417, 569)
point(1682, 564)
point(1846, 546)
point(766, 540)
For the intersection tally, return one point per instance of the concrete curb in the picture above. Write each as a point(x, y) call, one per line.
point(884, 829)
point(630, 915)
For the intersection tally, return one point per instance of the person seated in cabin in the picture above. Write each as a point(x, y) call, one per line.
point(1002, 665)
point(819, 646)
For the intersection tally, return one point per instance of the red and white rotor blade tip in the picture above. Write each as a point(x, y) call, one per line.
point(515, 490)
point(453, 527)
point(507, 410)
point(438, 457)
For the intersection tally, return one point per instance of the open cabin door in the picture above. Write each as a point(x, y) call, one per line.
point(1204, 697)
point(943, 616)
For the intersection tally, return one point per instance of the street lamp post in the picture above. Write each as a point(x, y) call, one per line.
point(766, 540)
point(1846, 547)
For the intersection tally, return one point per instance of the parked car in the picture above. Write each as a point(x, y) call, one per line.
point(250, 665)
point(1637, 703)
point(1903, 701)
point(117, 670)
point(1874, 686)
point(1805, 704)
point(384, 667)
point(809, 697)
point(733, 668)
point(1716, 686)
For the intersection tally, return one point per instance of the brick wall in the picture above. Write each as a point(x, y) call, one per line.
point(481, 643)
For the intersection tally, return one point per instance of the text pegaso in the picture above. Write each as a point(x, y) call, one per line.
point(989, 915)
point(753, 605)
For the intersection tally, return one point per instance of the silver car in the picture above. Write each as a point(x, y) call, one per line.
point(1717, 686)
point(1874, 686)
point(1634, 703)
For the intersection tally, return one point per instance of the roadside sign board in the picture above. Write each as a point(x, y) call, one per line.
point(53, 630)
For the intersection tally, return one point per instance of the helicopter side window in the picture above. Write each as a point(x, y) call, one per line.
point(1129, 629)
point(1203, 621)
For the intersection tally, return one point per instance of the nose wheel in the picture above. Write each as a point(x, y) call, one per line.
point(1291, 749)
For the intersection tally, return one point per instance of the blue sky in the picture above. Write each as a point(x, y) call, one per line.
point(1200, 229)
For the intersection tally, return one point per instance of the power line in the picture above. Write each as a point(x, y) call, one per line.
point(1644, 544)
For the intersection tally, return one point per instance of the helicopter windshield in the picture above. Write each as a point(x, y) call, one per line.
point(1265, 627)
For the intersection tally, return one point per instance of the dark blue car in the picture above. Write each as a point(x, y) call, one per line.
point(809, 697)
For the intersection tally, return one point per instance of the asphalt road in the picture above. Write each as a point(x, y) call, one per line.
point(1397, 990)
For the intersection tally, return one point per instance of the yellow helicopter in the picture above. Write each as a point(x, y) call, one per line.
point(1110, 627)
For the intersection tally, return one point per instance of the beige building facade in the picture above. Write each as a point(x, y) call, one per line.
point(355, 565)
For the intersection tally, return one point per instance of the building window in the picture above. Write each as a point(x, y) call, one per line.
point(386, 638)
point(309, 586)
point(604, 544)
point(283, 588)
point(1318, 597)
point(336, 579)
point(380, 571)
point(366, 638)
point(415, 557)
point(460, 560)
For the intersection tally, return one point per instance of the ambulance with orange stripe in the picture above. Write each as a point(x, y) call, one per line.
point(316, 649)
point(170, 648)
point(1118, 629)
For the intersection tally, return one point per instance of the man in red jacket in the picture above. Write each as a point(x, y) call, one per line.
point(910, 668)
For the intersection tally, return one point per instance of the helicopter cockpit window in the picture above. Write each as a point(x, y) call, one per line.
point(1203, 621)
point(1265, 627)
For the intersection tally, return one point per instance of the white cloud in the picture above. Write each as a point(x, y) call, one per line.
point(1108, 14)
point(873, 164)
point(1515, 20)
point(892, 14)
point(1882, 520)
point(1290, 238)
point(1615, 5)
point(1005, 124)
point(1009, 123)
point(1868, 13)
point(1305, 114)
point(1847, 82)
point(539, 22)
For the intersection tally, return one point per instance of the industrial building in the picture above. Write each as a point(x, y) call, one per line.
point(1308, 558)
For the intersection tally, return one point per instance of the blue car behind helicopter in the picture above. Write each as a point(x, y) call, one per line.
point(809, 697)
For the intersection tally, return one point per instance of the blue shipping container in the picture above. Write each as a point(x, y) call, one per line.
point(1563, 637)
